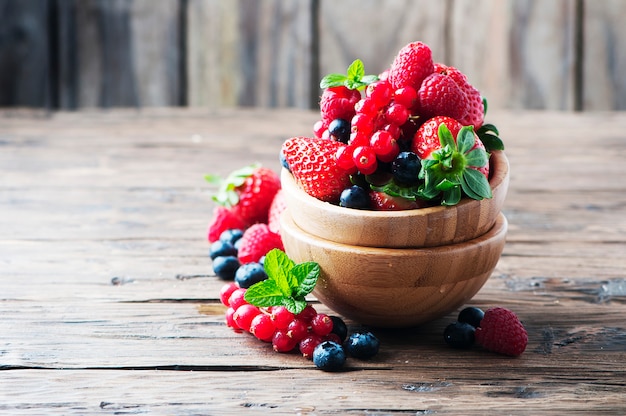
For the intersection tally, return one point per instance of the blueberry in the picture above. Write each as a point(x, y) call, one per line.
point(249, 274)
point(329, 356)
point(471, 315)
point(362, 345)
point(459, 335)
point(339, 129)
point(354, 197)
point(225, 267)
point(339, 328)
point(231, 236)
point(221, 249)
point(406, 168)
point(283, 161)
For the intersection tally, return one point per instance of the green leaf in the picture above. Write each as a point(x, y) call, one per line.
point(488, 127)
point(445, 137)
point(264, 294)
point(465, 140)
point(278, 268)
point(294, 306)
point(451, 196)
point(477, 184)
point(333, 80)
point(477, 158)
point(306, 274)
point(368, 79)
point(447, 184)
point(356, 70)
point(485, 106)
point(213, 179)
point(492, 142)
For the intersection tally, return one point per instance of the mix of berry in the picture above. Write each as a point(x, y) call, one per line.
point(410, 137)
point(497, 329)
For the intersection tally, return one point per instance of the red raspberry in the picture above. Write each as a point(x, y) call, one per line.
point(501, 331)
point(276, 209)
point(256, 242)
point(223, 219)
point(412, 64)
point(338, 102)
point(439, 95)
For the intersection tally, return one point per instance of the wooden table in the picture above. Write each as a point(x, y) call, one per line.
point(108, 304)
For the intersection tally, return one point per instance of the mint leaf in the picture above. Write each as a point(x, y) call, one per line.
point(306, 274)
point(333, 80)
point(264, 294)
point(294, 306)
point(368, 79)
point(278, 268)
point(356, 70)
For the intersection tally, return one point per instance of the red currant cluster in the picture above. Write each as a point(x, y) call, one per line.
point(375, 128)
point(277, 325)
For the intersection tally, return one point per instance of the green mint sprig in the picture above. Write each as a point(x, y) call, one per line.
point(354, 78)
point(226, 194)
point(287, 284)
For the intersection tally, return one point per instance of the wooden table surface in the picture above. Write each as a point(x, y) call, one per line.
point(108, 304)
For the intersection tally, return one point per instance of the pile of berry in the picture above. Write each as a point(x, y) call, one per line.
point(498, 330)
point(415, 137)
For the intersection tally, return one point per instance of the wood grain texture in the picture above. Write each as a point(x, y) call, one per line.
point(108, 303)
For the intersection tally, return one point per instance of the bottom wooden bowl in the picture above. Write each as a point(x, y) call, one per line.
point(395, 287)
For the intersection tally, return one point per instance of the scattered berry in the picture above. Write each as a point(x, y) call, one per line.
point(231, 235)
point(249, 274)
point(226, 291)
point(471, 315)
point(501, 331)
point(362, 345)
point(307, 345)
point(329, 356)
point(225, 267)
point(282, 342)
point(339, 328)
point(459, 335)
point(322, 324)
point(236, 298)
point(281, 316)
point(244, 315)
point(223, 219)
point(262, 327)
point(275, 211)
point(257, 240)
point(221, 248)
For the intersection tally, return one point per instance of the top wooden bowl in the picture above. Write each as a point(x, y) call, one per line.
point(425, 227)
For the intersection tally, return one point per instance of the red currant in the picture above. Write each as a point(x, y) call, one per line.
point(384, 145)
point(380, 92)
point(230, 321)
point(406, 96)
point(307, 314)
point(236, 299)
point(244, 315)
point(308, 344)
point(366, 106)
point(319, 128)
point(297, 329)
point(345, 160)
point(226, 291)
point(397, 114)
point(362, 123)
point(281, 317)
point(365, 159)
point(393, 129)
point(282, 342)
point(262, 327)
point(322, 325)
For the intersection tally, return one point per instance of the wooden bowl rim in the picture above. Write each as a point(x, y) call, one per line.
point(499, 169)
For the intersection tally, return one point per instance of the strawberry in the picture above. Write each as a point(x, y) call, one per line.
point(256, 242)
point(453, 160)
point(412, 64)
point(381, 201)
point(248, 192)
point(313, 164)
point(439, 95)
point(338, 102)
point(276, 209)
point(501, 331)
point(223, 219)
point(475, 113)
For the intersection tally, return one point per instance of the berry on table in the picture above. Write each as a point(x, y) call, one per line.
point(329, 356)
point(257, 241)
point(231, 235)
point(501, 331)
point(262, 327)
point(237, 299)
point(339, 328)
point(471, 315)
point(321, 324)
point(249, 274)
point(221, 248)
point(244, 315)
point(281, 316)
point(226, 291)
point(225, 267)
point(307, 344)
point(282, 342)
point(223, 219)
point(362, 345)
point(459, 335)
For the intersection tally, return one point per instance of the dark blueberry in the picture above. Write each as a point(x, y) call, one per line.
point(249, 274)
point(237, 244)
point(362, 345)
point(459, 335)
point(339, 129)
point(339, 328)
point(221, 249)
point(406, 168)
point(225, 267)
point(329, 356)
point(283, 161)
point(471, 315)
point(355, 197)
point(232, 235)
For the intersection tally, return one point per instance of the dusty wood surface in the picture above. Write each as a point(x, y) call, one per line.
point(108, 304)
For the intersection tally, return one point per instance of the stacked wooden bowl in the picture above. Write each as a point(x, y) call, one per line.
point(397, 268)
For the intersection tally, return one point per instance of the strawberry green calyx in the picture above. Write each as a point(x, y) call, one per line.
point(226, 194)
point(451, 170)
point(354, 78)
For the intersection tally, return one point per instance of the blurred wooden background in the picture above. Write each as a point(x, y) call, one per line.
point(68, 54)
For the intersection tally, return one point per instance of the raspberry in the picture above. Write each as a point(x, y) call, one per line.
point(439, 95)
point(256, 242)
point(338, 102)
point(501, 331)
point(223, 219)
point(412, 64)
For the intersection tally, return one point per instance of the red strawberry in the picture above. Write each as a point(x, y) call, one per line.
point(412, 64)
point(338, 102)
point(381, 201)
point(501, 331)
point(248, 192)
point(453, 160)
point(439, 95)
point(475, 113)
point(313, 164)
point(276, 209)
point(256, 242)
point(223, 219)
